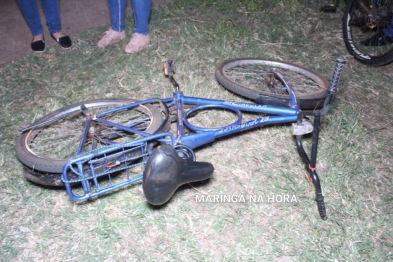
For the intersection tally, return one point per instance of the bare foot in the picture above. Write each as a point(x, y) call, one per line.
point(58, 35)
point(37, 38)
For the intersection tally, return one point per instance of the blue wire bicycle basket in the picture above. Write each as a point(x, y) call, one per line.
point(105, 169)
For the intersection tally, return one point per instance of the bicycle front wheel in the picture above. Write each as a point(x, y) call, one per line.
point(364, 25)
point(48, 148)
point(252, 78)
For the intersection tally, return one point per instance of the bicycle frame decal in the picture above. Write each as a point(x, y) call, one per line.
point(244, 126)
point(245, 105)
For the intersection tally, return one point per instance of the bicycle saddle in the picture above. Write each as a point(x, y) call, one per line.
point(165, 172)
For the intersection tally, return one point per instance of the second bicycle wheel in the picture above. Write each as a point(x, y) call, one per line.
point(365, 27)
point(48, 147)
point(252, 78)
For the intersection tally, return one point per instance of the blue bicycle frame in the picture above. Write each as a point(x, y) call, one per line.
point(208, 135)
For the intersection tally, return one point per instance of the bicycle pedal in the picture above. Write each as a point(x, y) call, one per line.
point(301, 129)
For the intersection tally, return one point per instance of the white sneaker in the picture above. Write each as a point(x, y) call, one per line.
point(111, 37)
point(137, 43)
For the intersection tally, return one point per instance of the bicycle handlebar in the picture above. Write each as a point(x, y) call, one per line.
point(321, 207)
point(337, 72)
point(338, 69)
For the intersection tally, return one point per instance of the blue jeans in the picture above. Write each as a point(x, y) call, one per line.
point(30, 11)
point(141, 8)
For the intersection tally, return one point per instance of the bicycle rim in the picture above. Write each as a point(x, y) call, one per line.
point(48, 148)
point(252, 78)
point(361, 22)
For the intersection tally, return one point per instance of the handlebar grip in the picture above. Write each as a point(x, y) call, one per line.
point(338, 69)
point(321, 207)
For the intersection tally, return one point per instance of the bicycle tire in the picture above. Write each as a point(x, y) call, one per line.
point(52, 157)
point(250, 78)
point(100, 166)
point(360, 24)
point(44, 178)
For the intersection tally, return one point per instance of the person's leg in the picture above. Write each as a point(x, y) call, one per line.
point(141, 15)
point(32, 16)
point(52, 14)
point(140, 39)
point(30, 11)
point(117, 10)
point(116, 33)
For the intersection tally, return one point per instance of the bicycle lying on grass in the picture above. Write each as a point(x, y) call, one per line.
point(97, 146)
point(367, 30)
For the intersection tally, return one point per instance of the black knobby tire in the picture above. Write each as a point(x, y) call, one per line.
point(46, 149)
point(251, 78)
point(360, 23)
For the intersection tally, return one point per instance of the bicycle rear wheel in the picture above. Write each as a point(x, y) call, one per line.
point(252, 78)
point(48, 148)
point(363, 31)
point(44, 178)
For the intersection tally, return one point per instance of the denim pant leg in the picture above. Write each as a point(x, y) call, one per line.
point(30, 11)
point(141, 15)
point(52, 14)
point(117, 10)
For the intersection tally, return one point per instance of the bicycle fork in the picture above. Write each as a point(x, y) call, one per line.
point(311, 165)
point(310, 162)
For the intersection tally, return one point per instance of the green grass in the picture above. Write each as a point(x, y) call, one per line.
point(354, 161)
